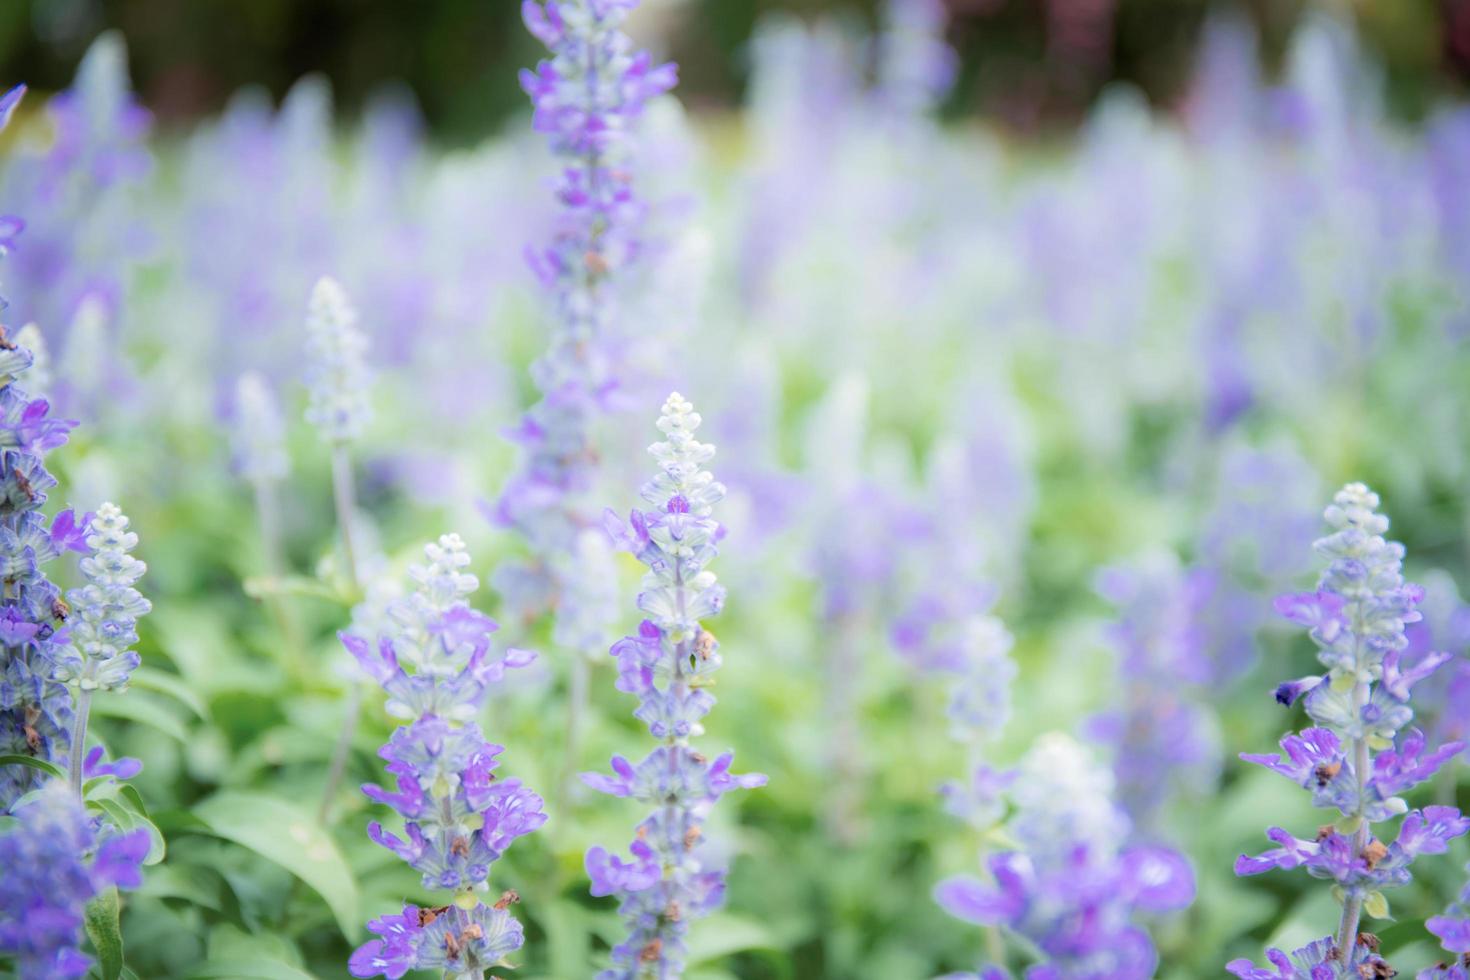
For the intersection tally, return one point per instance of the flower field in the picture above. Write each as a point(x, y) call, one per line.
point(824, 540)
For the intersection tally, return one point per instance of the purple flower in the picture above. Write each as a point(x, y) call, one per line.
point(458, 943)
point(664, 885)
point(1069, 888)
point(458, 817)
point(587, 99)
point(1315, 961)
point(56, 860)
point(1356, 760)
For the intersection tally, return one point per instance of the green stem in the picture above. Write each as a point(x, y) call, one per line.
point(343, 498)
point(78, 740)
point(1352, 908)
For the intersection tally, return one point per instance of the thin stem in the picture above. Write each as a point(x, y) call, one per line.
point(341, 750)
point(843, 667)
point(343, 497)
point(78, 740)
point(267, 515)
point(1352, 909)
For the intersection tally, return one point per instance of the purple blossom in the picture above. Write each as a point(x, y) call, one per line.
point(1164, 736)
point(1070, 888)
point(460, 943)
point(664, 885)
point(587, 98)
point(56, 860)
point(458, 818)
point(1315, 961)
point(1358, 759)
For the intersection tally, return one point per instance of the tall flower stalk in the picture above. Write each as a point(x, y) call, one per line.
point(1359, 758)
point(339, 407)
point(103, 625)
point(435, 664)
point(588, 96)
point(667, 665)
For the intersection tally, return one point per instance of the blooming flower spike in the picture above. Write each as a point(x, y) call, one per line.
point(435, 663)
point(663, 885)
point(1360, 756)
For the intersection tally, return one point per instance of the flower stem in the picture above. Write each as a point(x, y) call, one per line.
point(343, 497)
point(267, 515)
point(1352, 909)
point(78, 740)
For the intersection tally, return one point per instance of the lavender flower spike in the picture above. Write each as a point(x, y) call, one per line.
point(36, 715)
point(1360, 758)
point(587, 97)
point(336, 372)
point(667, 666)
point(1070, 886)
point(104, 622)
point(434, 661)
point(56, 860)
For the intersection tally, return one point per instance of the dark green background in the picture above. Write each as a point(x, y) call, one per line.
point(460, 56)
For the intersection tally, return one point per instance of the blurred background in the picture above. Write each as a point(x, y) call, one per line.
point(1029, 64)
point(972, 335)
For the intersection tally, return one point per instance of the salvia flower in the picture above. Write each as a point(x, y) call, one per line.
point(1070, 887)
point(105, 611)
point(56, 860)
point(435, 661)
point(36, 713)
point(1360, 757)
point(1164, 737)
point(336, 366)
point(667, 665)
point(259, 432)
point(979, 708)
point(916, 67)
point(587, 97)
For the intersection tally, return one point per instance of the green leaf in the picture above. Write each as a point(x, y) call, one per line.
point(150, 679)
point(250, 969)
point(101, 921)
point(145, 709)
point(723, 933)
point(1376, 905)
point(172, 882)
point(280, 831)
point(33, 762)
point(295, 585)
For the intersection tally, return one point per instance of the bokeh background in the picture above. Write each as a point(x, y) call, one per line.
point(1029, 64)
point(958, 358)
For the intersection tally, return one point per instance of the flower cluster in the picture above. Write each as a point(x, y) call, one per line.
point(435, 663)
point(1069, 886)
point(667, 666)
point(1164, 737)
point(336, 372)
point(36, 712)
point(85, 231)
point(979, 708)
point(1357, 759)
point(916, 67)
point(105, 611)
point(587, 98)
point(56, 860)
point(259, 432)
